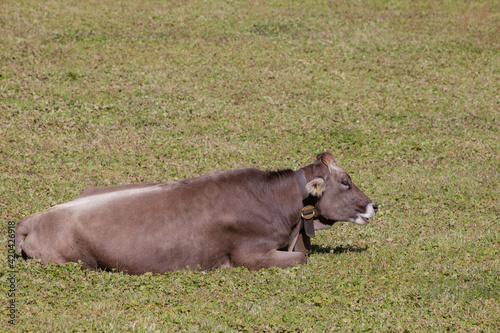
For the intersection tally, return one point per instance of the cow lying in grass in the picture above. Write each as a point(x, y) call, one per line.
point(243, 217)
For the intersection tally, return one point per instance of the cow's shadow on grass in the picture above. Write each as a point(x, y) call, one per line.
point(338, 249)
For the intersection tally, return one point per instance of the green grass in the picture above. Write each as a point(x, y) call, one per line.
point(404, 93)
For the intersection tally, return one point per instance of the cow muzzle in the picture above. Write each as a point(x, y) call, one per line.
point(371, 210)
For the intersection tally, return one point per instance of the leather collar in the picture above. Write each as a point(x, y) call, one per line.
point(303, 239)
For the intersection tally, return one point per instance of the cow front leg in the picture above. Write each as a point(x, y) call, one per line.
point(269, 259)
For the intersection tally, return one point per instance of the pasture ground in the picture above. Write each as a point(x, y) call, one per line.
point(404, 93)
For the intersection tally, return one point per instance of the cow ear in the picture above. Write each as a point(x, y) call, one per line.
point(327, 159)
point(316, 187)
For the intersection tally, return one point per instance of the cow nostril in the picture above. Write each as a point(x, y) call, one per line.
point(375, 207)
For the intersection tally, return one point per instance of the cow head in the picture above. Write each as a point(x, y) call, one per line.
point(337, 198)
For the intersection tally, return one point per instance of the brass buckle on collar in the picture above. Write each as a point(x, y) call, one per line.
point(308, 212)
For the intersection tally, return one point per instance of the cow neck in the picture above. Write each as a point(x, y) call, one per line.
point(303, 241)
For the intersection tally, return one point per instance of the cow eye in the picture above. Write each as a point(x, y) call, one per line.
point(346, 183)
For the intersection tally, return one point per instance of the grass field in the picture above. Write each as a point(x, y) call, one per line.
point(405, 94)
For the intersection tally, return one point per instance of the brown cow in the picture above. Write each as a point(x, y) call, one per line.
point(243, 217)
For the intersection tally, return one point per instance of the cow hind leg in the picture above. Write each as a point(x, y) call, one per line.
point(269, 259)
